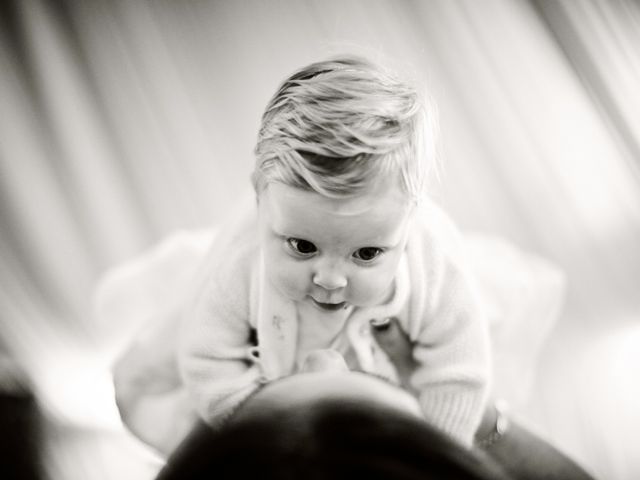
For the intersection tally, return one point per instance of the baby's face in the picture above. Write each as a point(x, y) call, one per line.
point(333, 254)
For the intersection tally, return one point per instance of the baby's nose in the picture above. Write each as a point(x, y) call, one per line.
point(330, 279)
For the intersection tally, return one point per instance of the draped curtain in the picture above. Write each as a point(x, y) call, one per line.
point(121, 121)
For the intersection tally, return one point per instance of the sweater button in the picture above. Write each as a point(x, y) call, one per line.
point(254, 353)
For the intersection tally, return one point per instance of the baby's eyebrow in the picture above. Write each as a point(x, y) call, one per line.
point(287, 233)
point(380, 245)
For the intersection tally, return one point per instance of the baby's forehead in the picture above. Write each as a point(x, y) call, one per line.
point(382, 197)
point(371, 219)
point(356, 207)
point(379, 210)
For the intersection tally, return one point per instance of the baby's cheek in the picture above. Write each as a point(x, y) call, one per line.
point(370, 288)
point(290, 280)
point(374, 283)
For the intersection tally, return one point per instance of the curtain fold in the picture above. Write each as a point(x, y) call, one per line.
point(122, 121)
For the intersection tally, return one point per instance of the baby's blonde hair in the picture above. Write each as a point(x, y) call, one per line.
point(340, 126)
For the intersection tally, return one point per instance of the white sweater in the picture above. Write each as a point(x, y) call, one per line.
point(434, 300)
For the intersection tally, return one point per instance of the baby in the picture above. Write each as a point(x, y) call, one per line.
point(343, 236)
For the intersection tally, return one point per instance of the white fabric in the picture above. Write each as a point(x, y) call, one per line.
point(523, 294)
point(434, 299)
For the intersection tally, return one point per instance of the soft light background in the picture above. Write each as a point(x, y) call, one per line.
point(123, 121)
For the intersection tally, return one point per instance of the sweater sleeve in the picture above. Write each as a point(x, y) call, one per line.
point(216, 357)
point(452, 343)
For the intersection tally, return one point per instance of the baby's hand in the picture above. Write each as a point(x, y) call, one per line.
point(323, 360)
point(397, 345)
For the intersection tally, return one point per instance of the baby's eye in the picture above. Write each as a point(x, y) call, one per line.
point(367, 254)
point(300, 246)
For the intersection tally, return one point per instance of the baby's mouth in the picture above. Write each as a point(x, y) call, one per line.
point(331, 307)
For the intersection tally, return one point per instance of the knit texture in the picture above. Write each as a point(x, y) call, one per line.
point(434, 300)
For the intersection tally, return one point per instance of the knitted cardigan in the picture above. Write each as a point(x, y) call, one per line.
point(434, 300)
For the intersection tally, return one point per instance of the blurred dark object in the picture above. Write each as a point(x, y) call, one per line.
point(20, 424)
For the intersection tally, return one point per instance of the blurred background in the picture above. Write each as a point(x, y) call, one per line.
point(124, 121)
